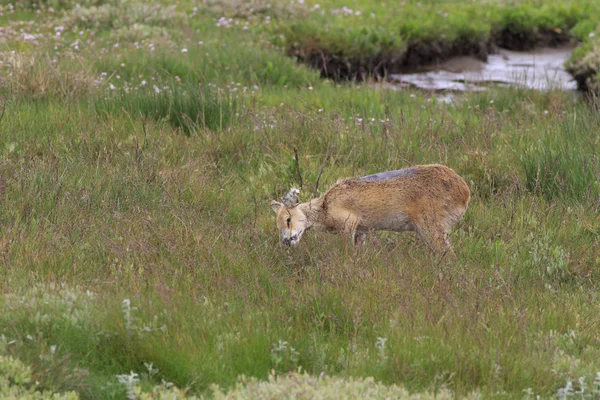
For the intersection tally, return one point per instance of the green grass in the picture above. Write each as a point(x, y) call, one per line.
point(183, 224)
point(220, 61)
point(189, 107)
point(568, 169)
point(135, 226)
point(584, 65)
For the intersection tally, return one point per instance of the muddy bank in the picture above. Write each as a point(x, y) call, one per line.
point(423, 53)
point(340, 67)
point(540, 69)
point(524, 41)
point(586, 76)
point(586, 69)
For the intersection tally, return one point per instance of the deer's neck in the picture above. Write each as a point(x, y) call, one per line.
point(313, 210)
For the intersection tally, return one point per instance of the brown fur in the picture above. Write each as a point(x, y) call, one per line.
point(429, 199)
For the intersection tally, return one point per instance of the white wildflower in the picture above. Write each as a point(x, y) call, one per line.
point(380, 346)
point(130, 382)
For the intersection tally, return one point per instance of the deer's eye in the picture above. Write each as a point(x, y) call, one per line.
point(288, 220)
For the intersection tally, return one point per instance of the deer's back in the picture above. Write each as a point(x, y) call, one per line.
point(425, 191)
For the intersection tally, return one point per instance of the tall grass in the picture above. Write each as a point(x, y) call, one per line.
point(564, 163)
point(39, 76)
point(180, 226)
point(188, 107)
point(223, 61)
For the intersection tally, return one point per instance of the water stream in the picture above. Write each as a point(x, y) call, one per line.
point(540, 69)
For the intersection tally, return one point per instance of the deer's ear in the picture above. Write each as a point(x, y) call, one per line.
point(275, 205)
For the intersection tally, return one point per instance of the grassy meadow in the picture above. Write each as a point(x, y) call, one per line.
point(141, 144)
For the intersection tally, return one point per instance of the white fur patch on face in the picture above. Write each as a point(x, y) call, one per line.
point(290, 238)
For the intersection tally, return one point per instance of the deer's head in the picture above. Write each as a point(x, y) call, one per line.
point(291, 221)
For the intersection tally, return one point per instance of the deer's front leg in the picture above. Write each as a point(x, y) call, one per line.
point(359, 240)
point(350, 228)
point(437, 240)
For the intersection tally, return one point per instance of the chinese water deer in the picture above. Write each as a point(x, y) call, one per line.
point(427, 199)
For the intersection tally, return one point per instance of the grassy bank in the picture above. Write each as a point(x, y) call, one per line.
point(138, 155)
point(357, 38)
point(585, 63)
